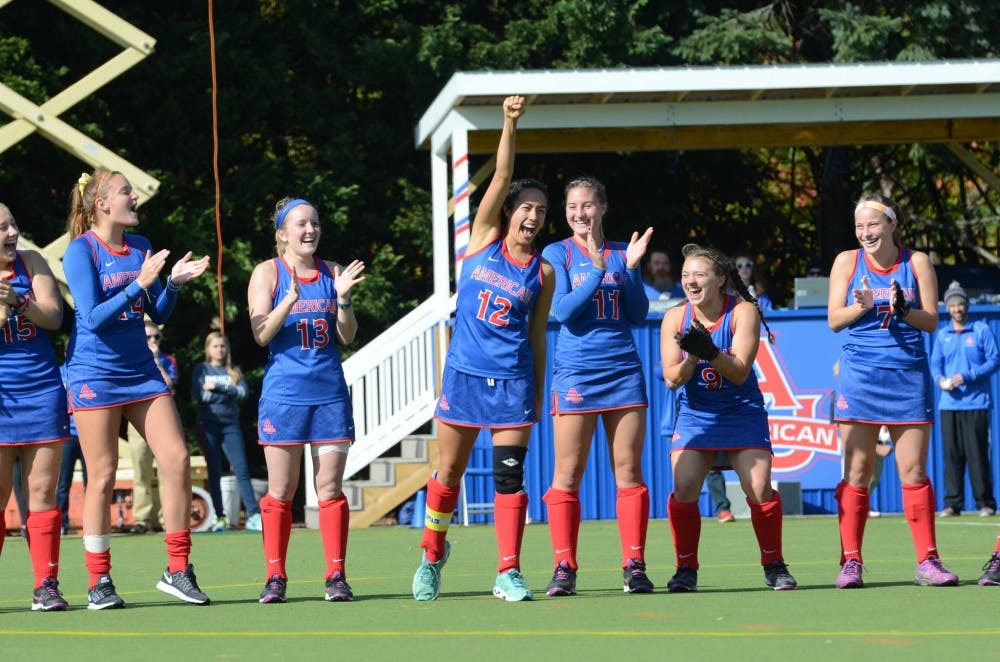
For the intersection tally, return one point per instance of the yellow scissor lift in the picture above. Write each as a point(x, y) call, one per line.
point(28, 117)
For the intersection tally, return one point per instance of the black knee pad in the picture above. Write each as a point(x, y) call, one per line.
point(508, 468)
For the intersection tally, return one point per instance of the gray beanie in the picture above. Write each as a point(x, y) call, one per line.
point(955, 291)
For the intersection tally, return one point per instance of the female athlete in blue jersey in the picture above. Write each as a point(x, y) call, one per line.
point(33, 419)
point(495, 367)
point(599, 297)
point(885, 296)
point(708, 347)
point(300, 308)
point(114, 278)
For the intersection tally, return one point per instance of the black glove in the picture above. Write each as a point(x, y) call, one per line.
point(698, 341)
point(900, 308)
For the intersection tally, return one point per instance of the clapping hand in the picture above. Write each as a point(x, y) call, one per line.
point(345, 278)
point(152, 265)
point(292, 295)
point(7, 293)
point(900, 307)
point(865, 296)
point(637, 248)
point(595, 252)
point(187, 269)
point(697, 341)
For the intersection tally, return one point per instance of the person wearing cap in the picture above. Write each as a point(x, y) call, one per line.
point(962, 359)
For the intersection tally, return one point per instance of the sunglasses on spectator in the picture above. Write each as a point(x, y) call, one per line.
point(155, 336)
point(814, 272)
point(744, 265)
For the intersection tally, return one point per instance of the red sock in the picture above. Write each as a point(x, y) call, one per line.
point(509, 511)
point(97, 564)
point(766, 520)
point(918, 506)
point(276, 522)
point(564, 524)
point(44, 529)
point(996, 550)
point(852, 510)
point(178, 550)
point(440, 508)
point(334, 516)
point(633, 520)
point(685, 527)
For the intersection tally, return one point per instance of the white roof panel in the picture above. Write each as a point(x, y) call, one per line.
point(677, 95)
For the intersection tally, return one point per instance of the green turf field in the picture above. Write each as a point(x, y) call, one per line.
point(732, 617)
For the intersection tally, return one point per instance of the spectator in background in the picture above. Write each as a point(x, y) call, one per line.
point(17, 482)
point(815, 270)
point(962, 360)
point(146, 508)
point(716, 484)
point(883, 448)
point(659, 281)
point(71, 453)
point(754, 284)
point(218, 388)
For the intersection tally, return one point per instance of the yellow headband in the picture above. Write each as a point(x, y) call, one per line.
point(878, 206)
point(82, 183)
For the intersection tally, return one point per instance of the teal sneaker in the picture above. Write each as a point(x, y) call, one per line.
point(427, 580)
point(221, 524)
point(254, 523)
point(512, 587)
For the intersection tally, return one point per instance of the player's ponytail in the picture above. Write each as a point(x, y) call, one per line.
point(83, 200)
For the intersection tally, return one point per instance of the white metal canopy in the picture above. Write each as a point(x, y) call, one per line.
point(624, 110)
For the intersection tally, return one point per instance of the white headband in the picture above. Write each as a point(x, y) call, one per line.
point(871, 204)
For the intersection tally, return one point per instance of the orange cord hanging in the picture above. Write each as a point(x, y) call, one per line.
point(215, 167)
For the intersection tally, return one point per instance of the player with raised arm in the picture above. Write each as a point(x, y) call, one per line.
point(495, 367)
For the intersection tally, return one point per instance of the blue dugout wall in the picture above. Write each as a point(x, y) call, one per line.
point(796, 376)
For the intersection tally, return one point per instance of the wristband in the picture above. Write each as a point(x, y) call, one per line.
point(345, 304)
point(172, 286)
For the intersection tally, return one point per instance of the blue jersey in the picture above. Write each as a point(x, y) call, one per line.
point(496, 294)
point(879, 338)
point(596, 308)
point(109, 336)
point(303, 366)
point(27, 360)
point(708, 396)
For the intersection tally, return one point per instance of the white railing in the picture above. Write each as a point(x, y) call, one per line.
point(393, 381)
point(393, 384)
